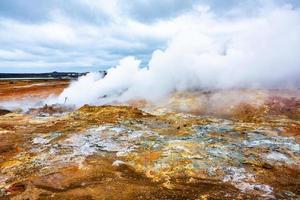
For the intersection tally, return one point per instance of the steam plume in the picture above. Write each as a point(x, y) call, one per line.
point(207, 52)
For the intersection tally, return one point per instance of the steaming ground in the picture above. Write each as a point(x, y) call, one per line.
point(207, 53)
point(261, 51)
point(122, 152)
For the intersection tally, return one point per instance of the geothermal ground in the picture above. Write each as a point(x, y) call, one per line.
point(234, 144)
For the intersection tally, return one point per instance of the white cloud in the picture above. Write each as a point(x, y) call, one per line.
point(63, 35)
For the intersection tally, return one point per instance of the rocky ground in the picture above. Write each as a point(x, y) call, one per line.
point(190, 147)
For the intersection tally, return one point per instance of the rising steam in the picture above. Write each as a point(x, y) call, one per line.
point(207, 52)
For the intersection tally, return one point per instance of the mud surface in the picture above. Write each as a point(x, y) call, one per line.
point(180, 150)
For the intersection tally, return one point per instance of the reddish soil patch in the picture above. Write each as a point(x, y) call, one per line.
point(21, 89)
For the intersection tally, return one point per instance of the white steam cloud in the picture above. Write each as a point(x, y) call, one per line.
point(207, 52)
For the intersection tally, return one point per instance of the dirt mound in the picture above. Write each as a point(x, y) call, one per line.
point(289, 107)
point(108, 114)
point(48, 110)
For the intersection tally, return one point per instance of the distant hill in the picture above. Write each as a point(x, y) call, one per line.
point(51, 75)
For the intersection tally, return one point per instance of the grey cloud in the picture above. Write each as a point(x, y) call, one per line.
point(150, 11)
point(23, 43)
point(33, 11)
point(27, 11)
point(40, 11)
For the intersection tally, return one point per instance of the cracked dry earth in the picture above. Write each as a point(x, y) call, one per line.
point(121, 152)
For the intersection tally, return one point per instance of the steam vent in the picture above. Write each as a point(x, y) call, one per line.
point(150, 100)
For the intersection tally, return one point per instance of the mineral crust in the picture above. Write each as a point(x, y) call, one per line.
point(248, 151)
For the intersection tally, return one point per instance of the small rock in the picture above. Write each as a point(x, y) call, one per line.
point(16, 188)
point(117, 163)
point(289, 193)
point(4, 112)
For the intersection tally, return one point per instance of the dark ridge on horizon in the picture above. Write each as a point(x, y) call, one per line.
point(48, 75)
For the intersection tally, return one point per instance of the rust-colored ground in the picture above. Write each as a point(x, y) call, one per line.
point(22, 89)
point(244, 145)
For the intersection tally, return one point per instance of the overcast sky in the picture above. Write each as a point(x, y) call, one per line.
point(85, 35)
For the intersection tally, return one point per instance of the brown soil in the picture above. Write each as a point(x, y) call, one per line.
point(22, 89)
point(61, 156)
